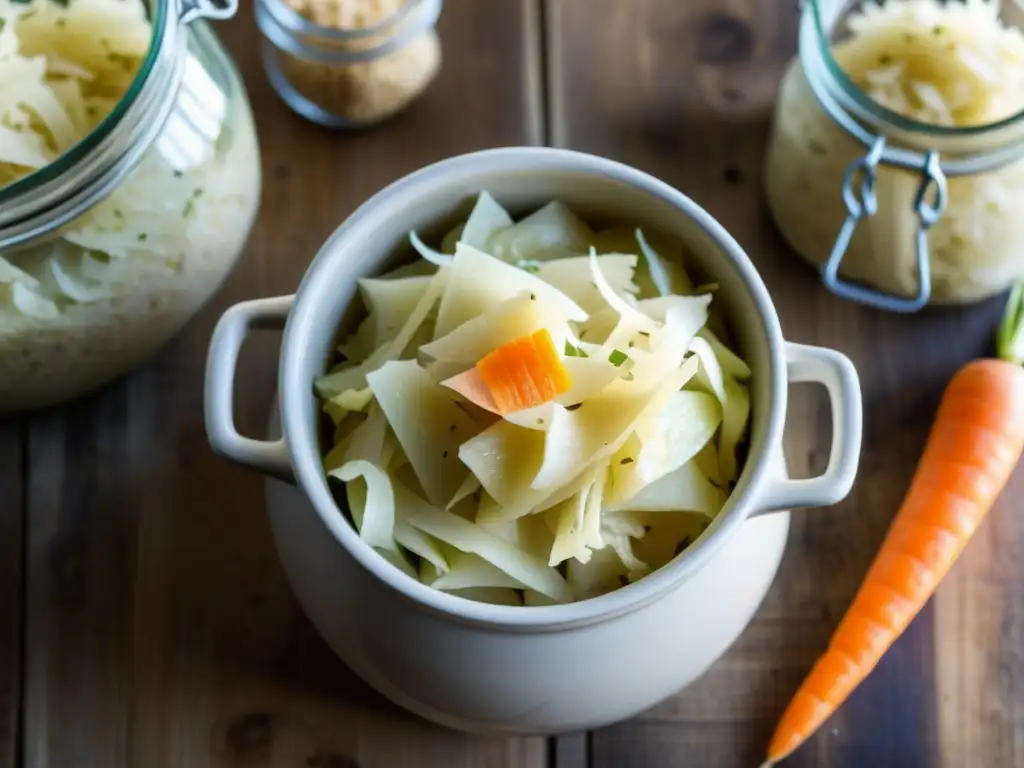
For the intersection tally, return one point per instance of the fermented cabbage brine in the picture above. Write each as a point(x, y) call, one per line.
point(129, 182)
point(895, 159)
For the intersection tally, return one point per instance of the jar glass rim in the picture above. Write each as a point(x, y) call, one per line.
point(158, 11)
point(880, 113)
point(299, 24)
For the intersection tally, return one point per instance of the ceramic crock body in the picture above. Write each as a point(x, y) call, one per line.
point(486, 679)
point(527, 669)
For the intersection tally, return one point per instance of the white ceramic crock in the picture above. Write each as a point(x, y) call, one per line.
point(482, 667)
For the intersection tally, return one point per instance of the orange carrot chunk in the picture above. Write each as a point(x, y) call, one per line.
point(524, 372)
point(975, 443)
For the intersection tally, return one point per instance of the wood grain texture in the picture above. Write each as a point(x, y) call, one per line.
point(979, 644)
point(12, 510)
point(685, 91)
point(160, 630)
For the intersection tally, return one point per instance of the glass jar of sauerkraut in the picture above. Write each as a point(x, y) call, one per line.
point(895, 158)
point(129, 182)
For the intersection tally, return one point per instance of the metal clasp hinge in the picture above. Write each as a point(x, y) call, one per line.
point(864, 170)
point(214, 10)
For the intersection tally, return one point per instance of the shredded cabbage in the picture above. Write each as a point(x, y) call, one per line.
point(375, 515)
point(64, 66)
point(565, 500)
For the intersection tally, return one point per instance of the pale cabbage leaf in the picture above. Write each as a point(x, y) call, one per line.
point(469, 571)
point(569, 517)
point(477, 282)
point(735, 418)
point(390, 303)
point(511, 319)
point(468, 537)
point(429, 426)
point(355, 378)
point(572, 277)
point(487, 218)
point(589, 375)
point(599, 427)
point(671, 438)
point(550, 232)
point(374, 512)
point(505, 458)
point(685, 489)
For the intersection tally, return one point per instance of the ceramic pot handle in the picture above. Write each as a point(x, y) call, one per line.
point(268, 457)
point(835, 371)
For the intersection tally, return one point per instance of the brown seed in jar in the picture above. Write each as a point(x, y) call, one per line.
point(368, 91)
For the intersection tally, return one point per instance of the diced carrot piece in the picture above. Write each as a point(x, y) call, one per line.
point(558, 376)
point(524, 372)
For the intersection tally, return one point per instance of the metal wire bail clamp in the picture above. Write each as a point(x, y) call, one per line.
point(928, 213)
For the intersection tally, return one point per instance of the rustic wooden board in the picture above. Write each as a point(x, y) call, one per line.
point(685, 90)
point(12, 510)
point(160, 630)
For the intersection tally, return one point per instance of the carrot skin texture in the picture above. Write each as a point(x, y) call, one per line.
point(975, 442)
point(524, 372)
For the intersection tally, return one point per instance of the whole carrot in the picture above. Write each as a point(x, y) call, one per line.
point(974, 444)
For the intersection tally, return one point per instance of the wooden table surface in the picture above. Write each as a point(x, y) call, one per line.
point(145, 621)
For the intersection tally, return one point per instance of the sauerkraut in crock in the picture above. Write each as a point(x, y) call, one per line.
point(86, 302)
point(956, 66)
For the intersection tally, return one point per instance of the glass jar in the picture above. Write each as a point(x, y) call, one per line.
point(898, 213)
point(351, 71)
point(107, 251)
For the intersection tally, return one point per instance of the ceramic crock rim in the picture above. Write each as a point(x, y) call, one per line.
point(306, 459)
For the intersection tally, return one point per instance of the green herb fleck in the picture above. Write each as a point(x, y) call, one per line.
point(645, 333)
point(571, 351)
point(575, 407)
point(178, 174)
point(631, 344)
point(189, 209)
point(143, 237)
point(617, 357)
point(627, 460)
point(540, 422)
point(533, 267)
point(118, 214)
point(885, 59)
point(533, 297)
point(938, 30)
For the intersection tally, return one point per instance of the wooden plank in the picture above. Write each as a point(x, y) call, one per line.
point(686, 95)
point(160, 627)
point(979, 639)
point(571, 750)
point(12, 510)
